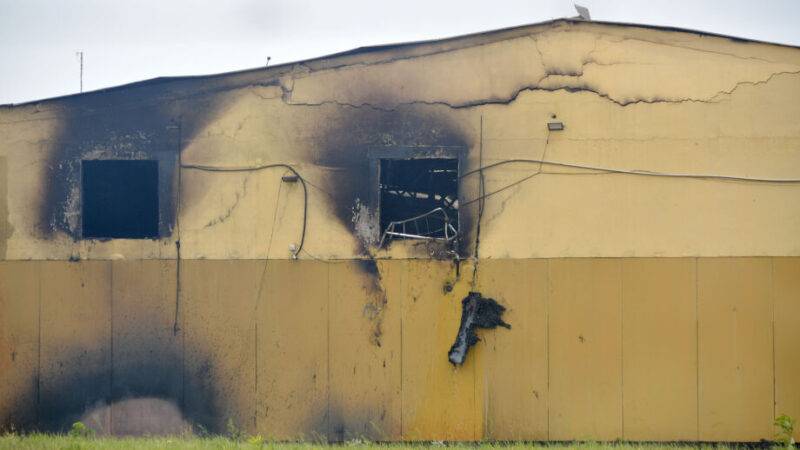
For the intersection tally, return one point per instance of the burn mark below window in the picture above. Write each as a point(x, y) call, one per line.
point(119, 199)
point(419, 198)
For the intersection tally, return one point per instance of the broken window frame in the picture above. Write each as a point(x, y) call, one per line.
point(375, 157)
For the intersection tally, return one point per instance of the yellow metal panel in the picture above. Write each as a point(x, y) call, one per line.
point(787, 338)
point(19, 342)
point(217, 311)
point(293, 321)
point(585, 349)
point(5, 227)
point(659, 349)
point(734, 297)
point(75, 341)
point(147, 355)
point(438, 399)
point(515, 360)
point(365, 307)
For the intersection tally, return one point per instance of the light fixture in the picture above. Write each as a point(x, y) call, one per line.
point(555, 126)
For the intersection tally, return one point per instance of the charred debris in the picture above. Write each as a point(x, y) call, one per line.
point(477, 311)
point(419, 200)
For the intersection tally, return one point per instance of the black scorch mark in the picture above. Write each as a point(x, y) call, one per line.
point(477, 311)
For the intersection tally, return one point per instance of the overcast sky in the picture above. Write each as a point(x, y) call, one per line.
point(125, 40)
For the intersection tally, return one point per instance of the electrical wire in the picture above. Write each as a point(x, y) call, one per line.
point(484, 195)
point(481, 203)
point(634, 172)
point(262, 167)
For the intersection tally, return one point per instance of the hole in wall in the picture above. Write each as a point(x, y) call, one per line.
point(413, 188)
point(119, 199)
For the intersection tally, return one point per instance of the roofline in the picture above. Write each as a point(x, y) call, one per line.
point(392, 46)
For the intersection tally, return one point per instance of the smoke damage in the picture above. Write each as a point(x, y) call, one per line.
point(140, 122)
point(477, 311)
point(343, 144)
point(376, 299)
point(132, 394)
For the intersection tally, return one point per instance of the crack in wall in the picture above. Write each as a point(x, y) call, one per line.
point(227, 214)
point(577, 86)
point(687, 47)
point(289, 72)
point(535, 87)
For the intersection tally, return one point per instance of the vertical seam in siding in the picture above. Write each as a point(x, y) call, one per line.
point(255, 376)
point(401, 296)
point(111, 347)
point(774, 371)
point(621, 349)
point(183, 347)
point(328, 331)
point(547, 343)
point(39, 344)
point(697, 337)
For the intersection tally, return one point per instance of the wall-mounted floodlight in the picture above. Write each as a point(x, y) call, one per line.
point(555, 126)
point(289, 178)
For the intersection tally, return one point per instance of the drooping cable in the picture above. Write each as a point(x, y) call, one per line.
point(262, 167)
point(634, 172)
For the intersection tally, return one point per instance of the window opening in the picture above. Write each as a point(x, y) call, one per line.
point(119, 199)
point(419, 198)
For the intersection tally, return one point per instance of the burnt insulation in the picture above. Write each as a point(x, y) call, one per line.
point(477, 311)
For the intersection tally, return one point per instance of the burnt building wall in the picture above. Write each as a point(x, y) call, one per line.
point(648, 268)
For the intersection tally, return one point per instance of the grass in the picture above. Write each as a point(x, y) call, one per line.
point(60, 441)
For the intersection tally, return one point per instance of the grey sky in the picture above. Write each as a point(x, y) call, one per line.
point(125, 41)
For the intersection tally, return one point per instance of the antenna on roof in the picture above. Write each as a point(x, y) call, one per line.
point(79, 55)
point(583, 12)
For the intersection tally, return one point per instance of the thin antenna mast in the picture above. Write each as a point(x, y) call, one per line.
point(79, 54)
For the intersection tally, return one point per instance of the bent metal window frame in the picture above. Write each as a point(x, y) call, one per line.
point(404, 228)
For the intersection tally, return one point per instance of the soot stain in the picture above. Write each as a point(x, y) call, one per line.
point(346, 137)
point(132, 123)
point(72, 388)
point(376, 298)
point(477, 311)
point(338, 425)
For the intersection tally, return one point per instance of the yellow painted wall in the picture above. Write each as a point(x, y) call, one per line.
point(659, 349)
point(663, 354)
point(630, 98)
point(19, 340)
point(642, 308)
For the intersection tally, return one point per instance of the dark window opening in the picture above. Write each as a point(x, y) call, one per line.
point(419, 198)
point(120, 199)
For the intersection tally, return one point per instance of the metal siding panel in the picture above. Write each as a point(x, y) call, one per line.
point(147, 356)
point(19, 342)
point(515, 360)
point(365, 351)
point(735, 349)
point(293, 346)
point(659, 349)
point(585, 349)
point(6, 228)
point(75, 342)
point(217, 306)
point(438, 399)
point(787, 338)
